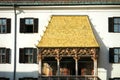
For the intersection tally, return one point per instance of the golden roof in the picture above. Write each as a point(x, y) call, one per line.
point(68, 31)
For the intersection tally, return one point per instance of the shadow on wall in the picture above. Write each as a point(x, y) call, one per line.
point(104, 67)
point(10, 75)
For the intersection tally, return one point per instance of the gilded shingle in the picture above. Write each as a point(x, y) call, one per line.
point(68, 31)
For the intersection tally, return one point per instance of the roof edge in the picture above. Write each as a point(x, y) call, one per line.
point(56, 4)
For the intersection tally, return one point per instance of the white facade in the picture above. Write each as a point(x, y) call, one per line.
point(98, 16)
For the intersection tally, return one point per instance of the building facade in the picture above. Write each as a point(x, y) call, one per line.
point(24, 24)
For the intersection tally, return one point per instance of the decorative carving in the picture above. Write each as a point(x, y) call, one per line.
point(76, 57)
point(58, 58)
point(68, 51)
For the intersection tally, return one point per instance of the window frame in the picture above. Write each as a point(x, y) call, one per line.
point(2, 24)
point(118, 24)
point(23, 57)
point(7, 55)
point(111, 24)
point(29, 25)
point(7, 25)
point(29, 54)
point(112, 55)
point(2, 54)
point(24, 26)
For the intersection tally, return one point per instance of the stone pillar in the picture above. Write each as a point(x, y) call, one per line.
point(76, 58)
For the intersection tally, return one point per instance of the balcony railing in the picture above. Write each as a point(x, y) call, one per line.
point(70, 77)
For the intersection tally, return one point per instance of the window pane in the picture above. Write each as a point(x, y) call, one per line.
point(116, 58)
point(115, 28)
point(119, 51)
point(0, 21)
point(26, 52)
point(116, 51)
point(29, 21)
point(3, 59)
point(31, 51)
point(26, 21)
point(119, 28)
point(2, 51)
point(3, 30)
point(30, 58)
point(26, 59)
point(4, 21)
point(115, 20)
point(119, 20)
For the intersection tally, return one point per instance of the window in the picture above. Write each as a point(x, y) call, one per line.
point(114, 24)
point(28, 25)
point(114, 55)
point(4, 55)
point(28, 55)
point(28, 78)
point(5, 25)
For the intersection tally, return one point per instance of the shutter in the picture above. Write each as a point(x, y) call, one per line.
point(22, 25)
point(111, 55)
point(8, 25)
point(34, 55)
point(21, 55)
point(36, 25)
point(111, 24)
point(8, 55)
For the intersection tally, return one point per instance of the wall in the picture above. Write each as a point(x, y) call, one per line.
point(98, 18)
